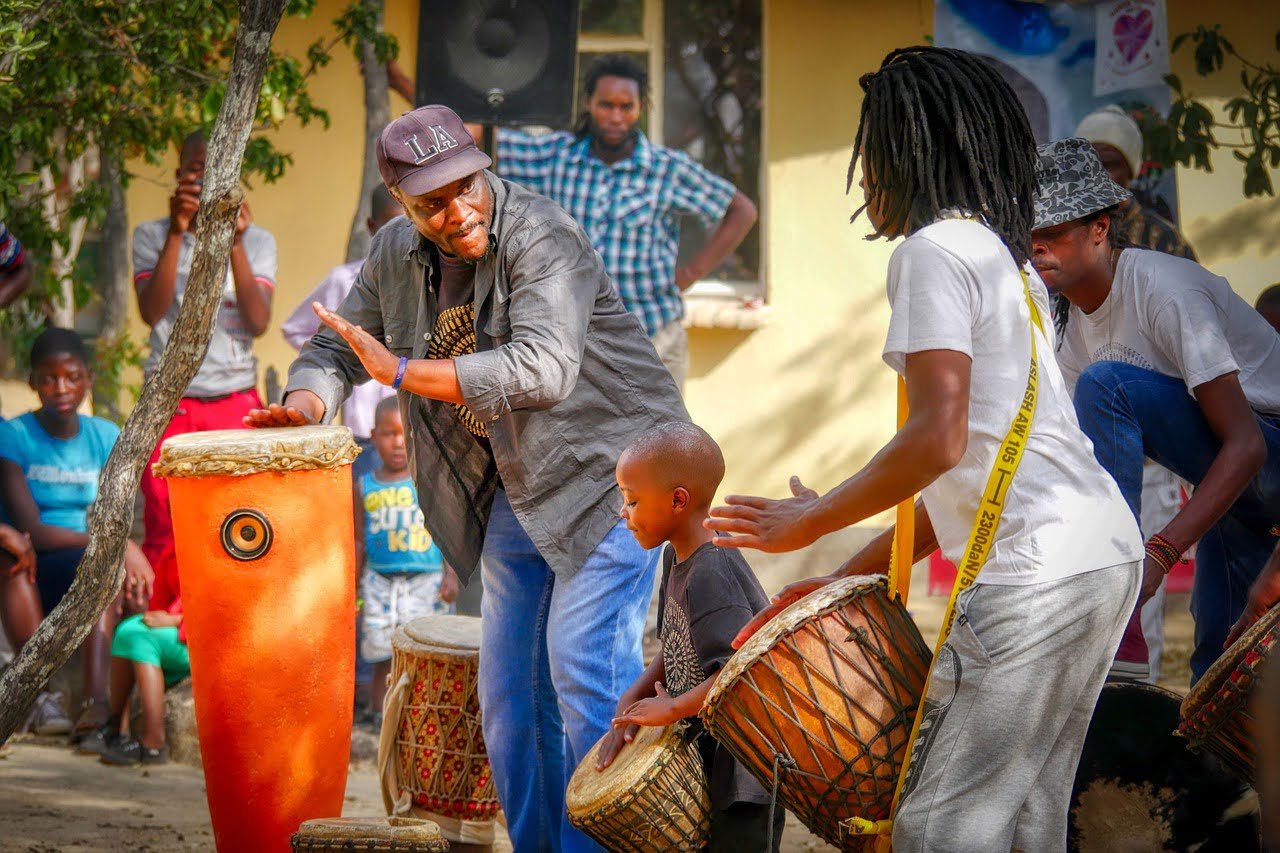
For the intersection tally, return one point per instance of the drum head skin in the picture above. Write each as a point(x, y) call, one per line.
point(763, 640)
point(241, 452)
point(1139, 789)
point(589, 788)
point(369, 833)
point(446, 632)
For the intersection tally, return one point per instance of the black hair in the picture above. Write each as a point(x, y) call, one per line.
point(385, 406)
point(941, 130)
point(56, 341)
point(1058, 302)
point(612, 65)
point(1268, 299)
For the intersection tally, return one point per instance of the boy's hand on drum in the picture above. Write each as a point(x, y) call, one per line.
point(660, 710)
point(790, 594)
point(302, 407)
point(614, 740)
point(1263, 595)
point(765, 524)
point(378, 361)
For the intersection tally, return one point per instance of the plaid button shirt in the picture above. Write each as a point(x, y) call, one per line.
point(628, 209)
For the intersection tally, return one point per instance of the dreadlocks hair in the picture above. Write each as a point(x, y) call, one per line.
point(612, 65)
point(1058, 303)
point(941, 129)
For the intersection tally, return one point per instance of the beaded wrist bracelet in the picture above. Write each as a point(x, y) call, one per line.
point(1163, 552)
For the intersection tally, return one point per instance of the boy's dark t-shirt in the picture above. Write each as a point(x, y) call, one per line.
point(702, 604)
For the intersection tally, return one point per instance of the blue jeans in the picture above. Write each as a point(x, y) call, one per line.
point(1128, 413)
point(554, 658)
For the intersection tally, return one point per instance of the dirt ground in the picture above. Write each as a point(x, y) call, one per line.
point(53, 800)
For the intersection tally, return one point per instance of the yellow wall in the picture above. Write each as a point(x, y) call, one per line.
point(808, 393)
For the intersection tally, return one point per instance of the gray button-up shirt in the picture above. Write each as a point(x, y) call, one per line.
point(563, 375)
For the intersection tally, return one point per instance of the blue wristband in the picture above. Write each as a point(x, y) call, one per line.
point(400, 368)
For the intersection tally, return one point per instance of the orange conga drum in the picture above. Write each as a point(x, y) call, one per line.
point(265, 546)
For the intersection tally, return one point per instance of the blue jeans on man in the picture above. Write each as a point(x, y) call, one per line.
point(555, 656)
point(1128, 413)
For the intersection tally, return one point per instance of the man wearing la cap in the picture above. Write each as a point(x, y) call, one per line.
point(522, 377)
point(1167, 362)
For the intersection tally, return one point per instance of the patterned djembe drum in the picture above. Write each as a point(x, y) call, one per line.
point(431, 753)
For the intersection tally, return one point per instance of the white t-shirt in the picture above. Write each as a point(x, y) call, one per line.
point(954, 286)
point(229, 365)
point(1174, 317)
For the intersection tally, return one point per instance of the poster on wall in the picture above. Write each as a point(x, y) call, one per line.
point(1133, 45)
point(1049, 53)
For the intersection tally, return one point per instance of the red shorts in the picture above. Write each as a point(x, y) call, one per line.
point(193, 415)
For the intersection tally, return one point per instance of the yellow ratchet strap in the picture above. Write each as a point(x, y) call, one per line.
point(976, 550)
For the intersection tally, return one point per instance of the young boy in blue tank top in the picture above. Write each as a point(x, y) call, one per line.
point(405, 575)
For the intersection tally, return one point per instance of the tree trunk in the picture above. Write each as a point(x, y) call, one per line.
point(113, 286)
point(377, 115)
point(61, 308)
point(101, 571)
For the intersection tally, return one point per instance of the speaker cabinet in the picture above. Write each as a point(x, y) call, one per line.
point(499, 62)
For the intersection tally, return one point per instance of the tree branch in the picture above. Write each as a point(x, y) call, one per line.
point(101, 571)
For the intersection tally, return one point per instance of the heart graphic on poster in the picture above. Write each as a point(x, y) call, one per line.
point(1132, 33)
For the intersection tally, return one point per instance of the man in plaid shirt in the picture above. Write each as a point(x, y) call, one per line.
point(627, 193)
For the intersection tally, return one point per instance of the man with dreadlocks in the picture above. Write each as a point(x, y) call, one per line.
point(948, 163)
point(1167, 363)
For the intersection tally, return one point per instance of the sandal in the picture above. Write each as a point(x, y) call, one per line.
point(93, 716)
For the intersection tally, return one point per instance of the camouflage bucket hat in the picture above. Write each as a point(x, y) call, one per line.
point(1073, 183)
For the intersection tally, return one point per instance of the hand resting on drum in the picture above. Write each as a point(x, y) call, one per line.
point(1263, 595)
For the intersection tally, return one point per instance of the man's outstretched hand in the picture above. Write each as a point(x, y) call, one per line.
point(765, 524)
point(301, 408)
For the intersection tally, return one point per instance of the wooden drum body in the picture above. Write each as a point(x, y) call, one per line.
point(652, 797)
point(402, 834)
point(265, 549)
point(1217, 714)
point(824, 696)
point(431, 752)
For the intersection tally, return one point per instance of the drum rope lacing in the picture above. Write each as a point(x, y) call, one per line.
point(780, 762)
point(977, 548)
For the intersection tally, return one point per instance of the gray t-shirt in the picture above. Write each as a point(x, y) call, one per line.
point(229, 366)
point(702, 605)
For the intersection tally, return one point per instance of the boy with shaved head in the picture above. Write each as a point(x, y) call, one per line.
point(668, 478)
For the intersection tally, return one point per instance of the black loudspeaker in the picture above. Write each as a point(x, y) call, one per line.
point(499, 61)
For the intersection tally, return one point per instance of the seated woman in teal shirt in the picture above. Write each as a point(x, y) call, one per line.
point(50, 460)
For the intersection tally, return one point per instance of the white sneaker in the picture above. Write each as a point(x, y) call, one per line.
point(48, 716)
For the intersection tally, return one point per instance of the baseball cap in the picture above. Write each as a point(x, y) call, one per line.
point(426, 149)
point(1073, 183)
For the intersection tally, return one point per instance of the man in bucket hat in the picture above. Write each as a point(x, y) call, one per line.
point(522, 377)
point(1167, 362)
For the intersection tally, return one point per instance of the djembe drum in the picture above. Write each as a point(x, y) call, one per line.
point(431, 751)
point(652, 797)
point(821, 700)
point(1138, 787)
point(402, 834)
point(265, 549)
point(1217, 714)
